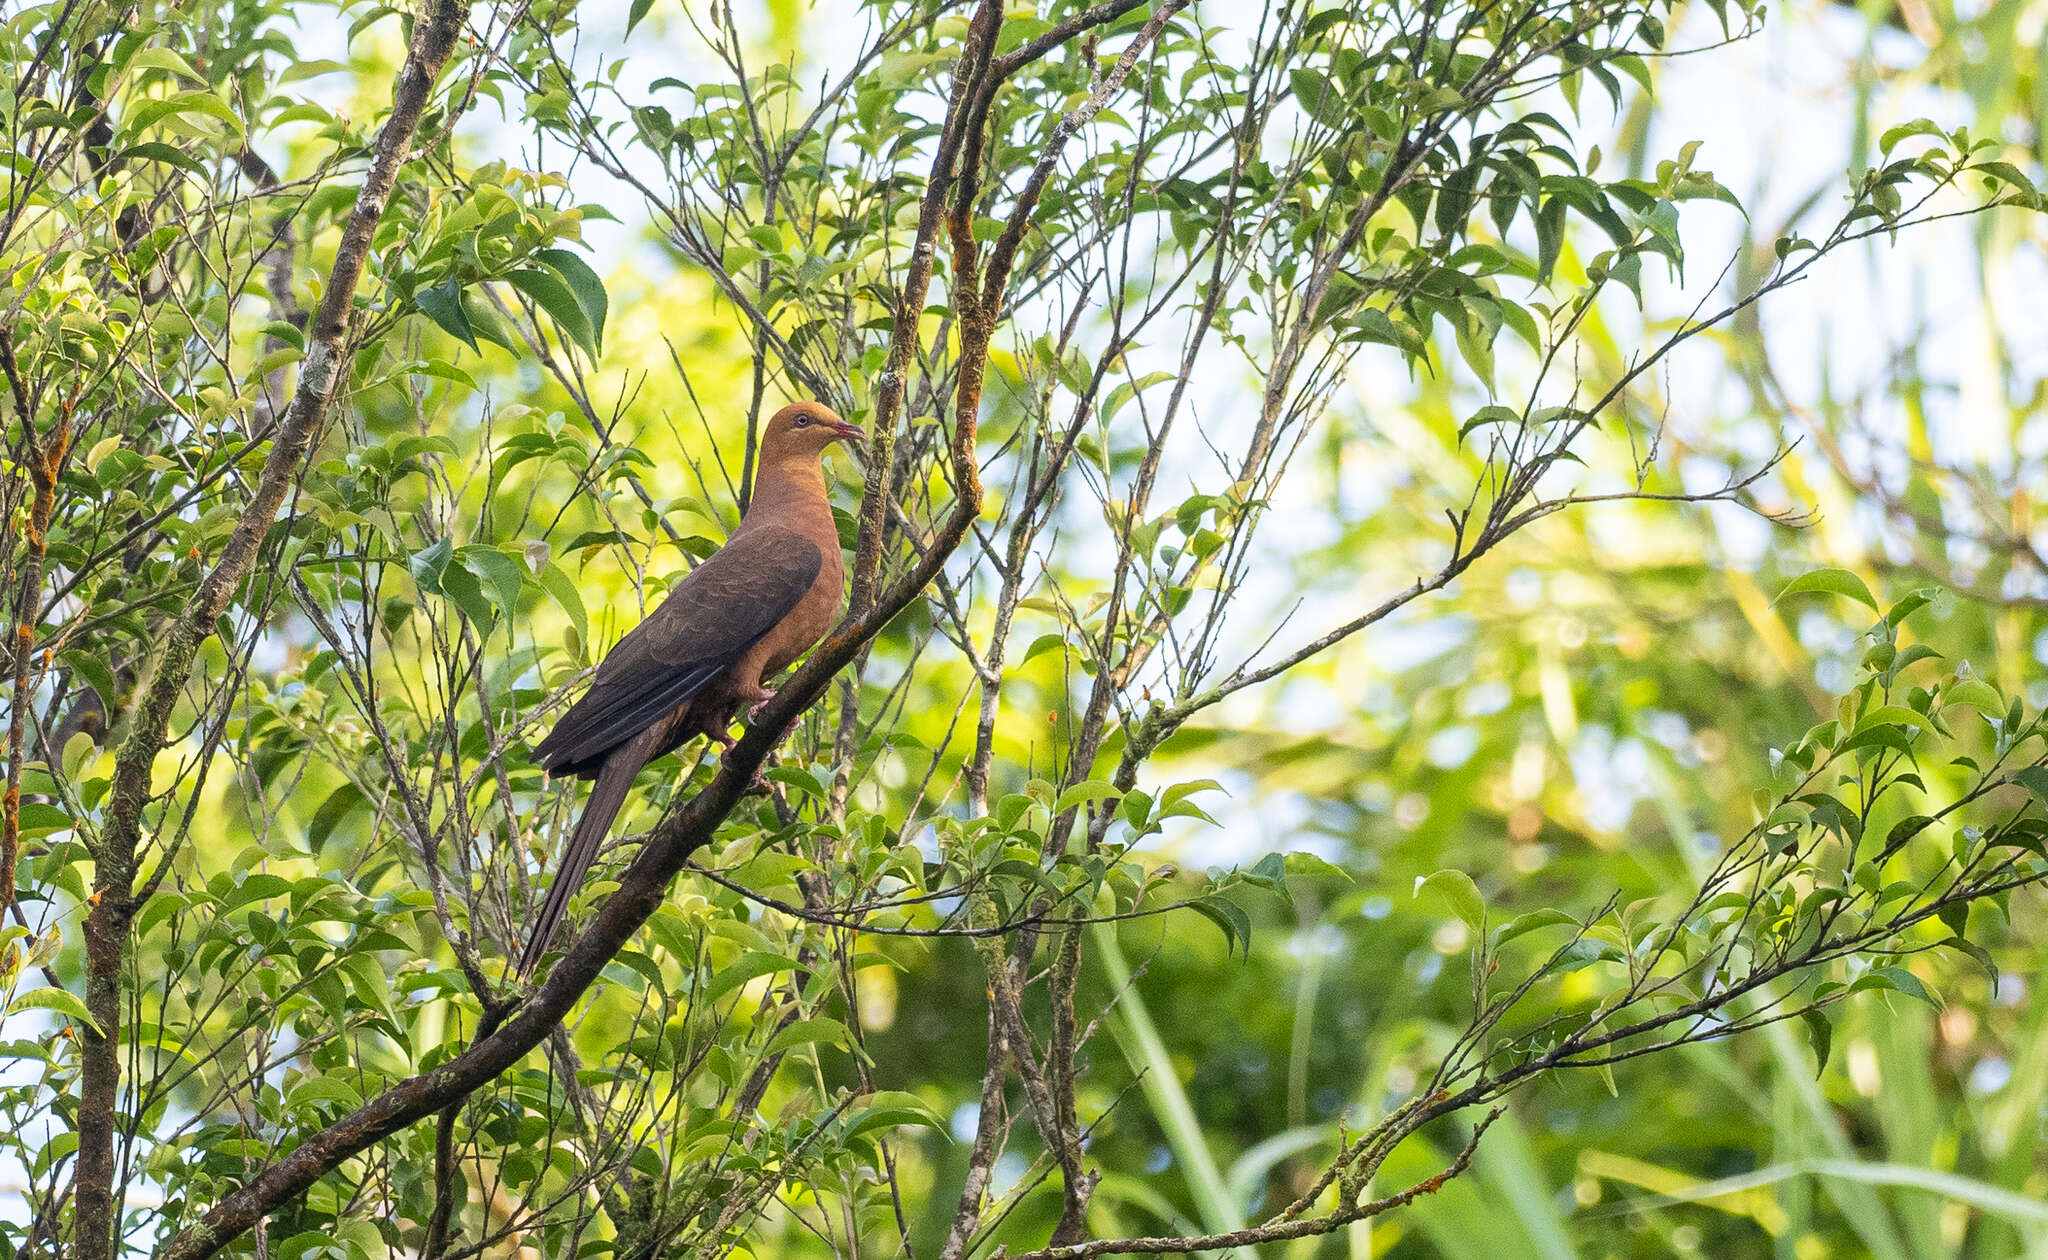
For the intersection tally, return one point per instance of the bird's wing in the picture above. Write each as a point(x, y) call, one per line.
point(705, 625)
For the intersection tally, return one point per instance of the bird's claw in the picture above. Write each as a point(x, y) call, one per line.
point(757, 785)
point(754, 709)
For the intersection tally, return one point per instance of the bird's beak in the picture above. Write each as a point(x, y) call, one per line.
point(848, 431)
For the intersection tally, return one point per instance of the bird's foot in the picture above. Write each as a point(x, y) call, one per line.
point(756, 786)
point(754, 709)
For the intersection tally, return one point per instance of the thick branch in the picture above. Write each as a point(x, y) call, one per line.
point(910, 301)
point(45, 460)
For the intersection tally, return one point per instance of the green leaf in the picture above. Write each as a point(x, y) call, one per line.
point(338, 805)
point(259, 886)
point(169, 155)
point(39, 819)
point(558, 300)
point(164, 59)
point(802, 780)
point(1908, 604)
point(312, 1244)
point(488, 325)
point(150, 113)
point(467, 590)
point(76, 750)
point(1820, 1034)
point(1084, 794)
point(1977, 954)
point(892, 1108)
point(314, 1090)
point(427, 565)
point(1976, 693)
point(92, 667)
point(52, 999)
point(1549, 236)
point(1913, 655)
point(1299, 863)
point(1891, 715)
point(821, 1031)
point(1523, 924)
point(100, 450)
point(311, 68)
point(1489, 415)
point(1905, 829)
point(2035, 780)
point(2006, 173)
point(1918, 127)
point(1174, 802)
point(286, 333)
point(440, 369)
point(1832, 582)
point(1459, 893)
point(595, 538)
point(585, 284)
point(1318, 96)
point(563, 591)
point(750, 966)
point(498, 574)
point(1269, 872)
point(1041, 645)
point(1888, 737)
point(1897, 980)
point(443, 305)
point(1230, 918)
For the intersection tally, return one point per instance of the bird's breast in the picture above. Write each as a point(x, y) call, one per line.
point(811, 618)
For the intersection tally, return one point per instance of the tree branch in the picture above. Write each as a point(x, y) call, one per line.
point(106, 925)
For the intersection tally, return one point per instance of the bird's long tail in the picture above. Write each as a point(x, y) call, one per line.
point(614, 779)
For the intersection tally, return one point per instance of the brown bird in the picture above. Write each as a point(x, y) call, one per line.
point(747, 611)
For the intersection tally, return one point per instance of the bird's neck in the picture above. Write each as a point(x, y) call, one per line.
point(786, 488)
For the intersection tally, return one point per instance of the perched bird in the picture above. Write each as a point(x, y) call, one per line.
point(740, 617)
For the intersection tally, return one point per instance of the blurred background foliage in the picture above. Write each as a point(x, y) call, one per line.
point(1600, 698)
point(1584, 712)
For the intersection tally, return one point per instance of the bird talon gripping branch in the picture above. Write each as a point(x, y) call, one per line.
point(747, 612)
point(758, 785)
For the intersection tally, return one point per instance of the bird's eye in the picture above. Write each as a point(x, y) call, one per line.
point(801, 421)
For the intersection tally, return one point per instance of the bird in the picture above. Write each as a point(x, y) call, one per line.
point(741, 616)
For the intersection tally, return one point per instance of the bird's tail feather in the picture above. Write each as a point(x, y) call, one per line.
point(614, 779)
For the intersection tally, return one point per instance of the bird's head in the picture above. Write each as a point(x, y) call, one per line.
point(804, 430)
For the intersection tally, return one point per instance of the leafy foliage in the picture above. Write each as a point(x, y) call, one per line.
point(1014, 243)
